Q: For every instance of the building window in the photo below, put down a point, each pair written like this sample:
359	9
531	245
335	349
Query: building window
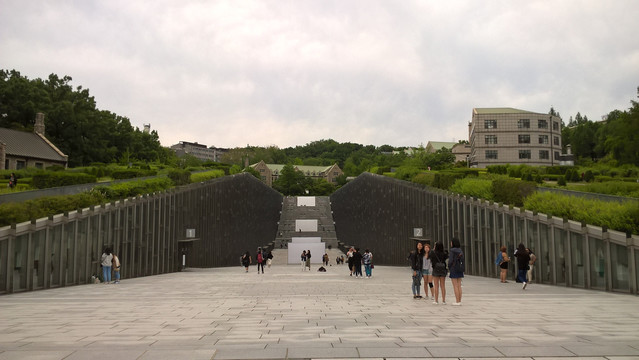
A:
524	154
524	139
543	155
555	125
543	139
490	124
556	140
491	139
491	154
263	178
261	170
542	124
39	165
20	164
556	155
523	123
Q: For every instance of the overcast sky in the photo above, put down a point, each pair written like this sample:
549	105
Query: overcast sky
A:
285	73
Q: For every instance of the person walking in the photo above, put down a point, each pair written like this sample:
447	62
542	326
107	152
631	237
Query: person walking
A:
116	268
303	259
13	181
416	259
349	259
325	259
357	263
523	259
261	259
533	259
503	260
367	259
308	259
106	261
246	260
456	264
438	258
269	259
427	272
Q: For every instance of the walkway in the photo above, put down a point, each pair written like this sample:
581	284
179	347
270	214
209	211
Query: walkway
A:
225	313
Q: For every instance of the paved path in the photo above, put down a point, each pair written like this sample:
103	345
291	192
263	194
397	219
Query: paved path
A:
226	313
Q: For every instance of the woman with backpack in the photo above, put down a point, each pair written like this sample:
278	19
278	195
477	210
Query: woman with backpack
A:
438	258
503	260
456	264
246	260
261	259
416	257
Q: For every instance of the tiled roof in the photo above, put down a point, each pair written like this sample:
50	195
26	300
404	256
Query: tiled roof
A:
504	110
438	145
28	144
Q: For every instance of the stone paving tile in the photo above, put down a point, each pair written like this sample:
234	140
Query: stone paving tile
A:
34	354
416	352
317	315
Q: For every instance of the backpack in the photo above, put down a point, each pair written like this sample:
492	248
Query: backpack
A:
458	264
499	259
259	257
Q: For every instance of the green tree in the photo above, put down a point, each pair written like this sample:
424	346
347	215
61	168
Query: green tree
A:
292	182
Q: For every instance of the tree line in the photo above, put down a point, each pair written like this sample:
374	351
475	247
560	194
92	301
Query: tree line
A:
73	122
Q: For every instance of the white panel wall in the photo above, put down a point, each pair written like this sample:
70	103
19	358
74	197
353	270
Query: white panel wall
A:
295	252
306	225
306	201
306	240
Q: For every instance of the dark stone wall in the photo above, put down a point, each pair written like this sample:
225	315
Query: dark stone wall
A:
231	215
379	213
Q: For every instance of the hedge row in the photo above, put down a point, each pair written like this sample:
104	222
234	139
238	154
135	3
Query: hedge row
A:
11	213
207	175
44	180
132	173
622	217
618	188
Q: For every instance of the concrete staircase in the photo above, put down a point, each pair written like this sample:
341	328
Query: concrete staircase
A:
291	212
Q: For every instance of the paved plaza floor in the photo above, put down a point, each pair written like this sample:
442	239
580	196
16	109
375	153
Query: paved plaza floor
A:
226	313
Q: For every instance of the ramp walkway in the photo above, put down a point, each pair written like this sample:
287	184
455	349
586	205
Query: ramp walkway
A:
226	313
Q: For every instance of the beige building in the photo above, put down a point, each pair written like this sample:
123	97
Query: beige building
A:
21	149
501	136
461	151
200	151
270	172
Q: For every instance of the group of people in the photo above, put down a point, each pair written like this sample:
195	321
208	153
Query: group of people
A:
433	265
262	257
356	259
110	262
526	258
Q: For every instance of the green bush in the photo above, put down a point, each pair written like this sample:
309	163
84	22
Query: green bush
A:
180	177
132	173
557	170
512	192
621	217
603	178
561	181
618	188
478	188
44	180
207	175
497	169
589	176
133	188
424	178
406	172
444	180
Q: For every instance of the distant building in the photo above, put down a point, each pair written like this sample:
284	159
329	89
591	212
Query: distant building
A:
501	136
21	149
200	151
433	146
271	172
461	151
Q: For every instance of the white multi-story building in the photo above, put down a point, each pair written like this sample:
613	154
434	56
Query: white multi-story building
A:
501	136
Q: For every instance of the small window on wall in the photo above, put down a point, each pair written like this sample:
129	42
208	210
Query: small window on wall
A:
543	155
524	139
555	125
524	154
523	123
20	164
39	165
543	139
491	139
556	140
491	154
542	124
490	124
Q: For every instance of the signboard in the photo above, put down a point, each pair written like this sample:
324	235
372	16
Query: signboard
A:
190	233
418	232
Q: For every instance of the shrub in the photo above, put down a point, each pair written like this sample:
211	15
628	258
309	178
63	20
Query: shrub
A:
207	175
47	179
497	169
621	217
513	192
424	178
618	188
589	176
132	173
444	180
406	172
478	188
561	181
180	177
